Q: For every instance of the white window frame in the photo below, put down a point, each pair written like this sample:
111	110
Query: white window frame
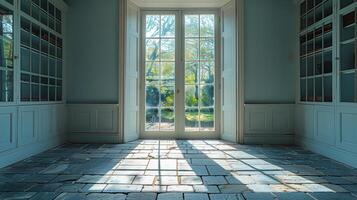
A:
179	132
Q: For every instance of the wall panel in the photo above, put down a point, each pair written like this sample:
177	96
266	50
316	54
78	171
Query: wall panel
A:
8	124
93	123
269	123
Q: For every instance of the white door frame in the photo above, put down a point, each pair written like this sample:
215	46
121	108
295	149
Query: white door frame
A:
179	103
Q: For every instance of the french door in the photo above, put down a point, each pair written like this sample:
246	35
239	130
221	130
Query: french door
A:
180	88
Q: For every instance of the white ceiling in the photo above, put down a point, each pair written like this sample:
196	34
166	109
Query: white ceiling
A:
180	3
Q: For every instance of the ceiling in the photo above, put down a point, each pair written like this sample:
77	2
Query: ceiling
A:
180	3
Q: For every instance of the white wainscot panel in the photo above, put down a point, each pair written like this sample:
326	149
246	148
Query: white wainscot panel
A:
304	123
93	118
8	119
46	122
346	118
324	124
269	123
28	125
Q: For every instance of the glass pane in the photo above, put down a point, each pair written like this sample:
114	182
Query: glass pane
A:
25	92
191	49
207	119
348	87
318	89
344	3
207	25
207	49
191	73
328	88
26	6
207	72
310	89
168	26
152	96
192	26
152	26
348	26
44	93
303	67
327	62
207	96
318	64
152	120
152	49
192	120
167	50
25	59
348	56
191	95
167	95
35	92
152	72
44	65
167	119
6	86
303	90
168	73
35	62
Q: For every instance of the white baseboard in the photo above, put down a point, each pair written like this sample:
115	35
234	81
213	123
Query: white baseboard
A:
273	139
111	138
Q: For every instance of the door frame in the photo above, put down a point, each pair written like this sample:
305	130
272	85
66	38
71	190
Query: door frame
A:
179	132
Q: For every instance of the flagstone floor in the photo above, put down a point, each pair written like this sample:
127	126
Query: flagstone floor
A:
169	169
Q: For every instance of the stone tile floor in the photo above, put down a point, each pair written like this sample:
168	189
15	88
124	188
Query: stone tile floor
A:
152	169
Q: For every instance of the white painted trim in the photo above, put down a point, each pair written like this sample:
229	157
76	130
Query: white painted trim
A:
122	51
240	7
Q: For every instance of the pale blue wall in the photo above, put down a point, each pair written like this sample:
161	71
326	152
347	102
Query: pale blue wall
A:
92	50
270	48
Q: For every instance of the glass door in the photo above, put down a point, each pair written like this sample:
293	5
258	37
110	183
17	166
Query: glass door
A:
179	52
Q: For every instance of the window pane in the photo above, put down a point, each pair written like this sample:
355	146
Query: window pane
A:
152	49
207	119
207	25
207	49
192	120
167	95
207	72
191	95
192	26
191	49
191	73
167	119
152	26
167	26
167	50
152	120
207	96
